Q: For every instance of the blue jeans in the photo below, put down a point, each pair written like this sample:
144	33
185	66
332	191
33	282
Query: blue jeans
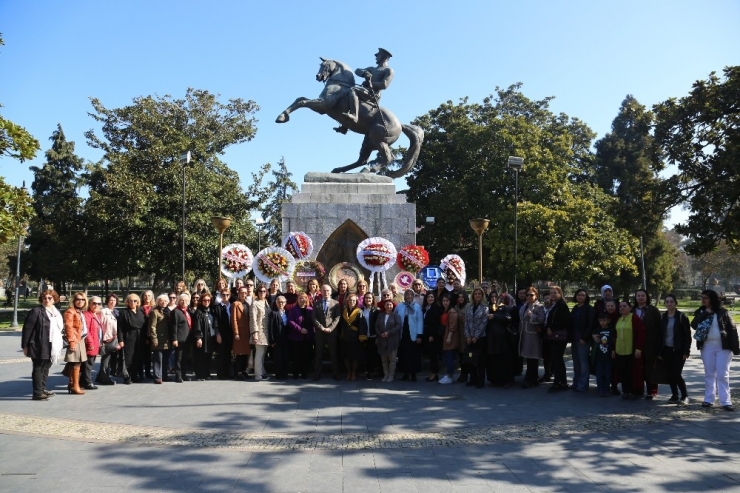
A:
581	365
603	373
449	356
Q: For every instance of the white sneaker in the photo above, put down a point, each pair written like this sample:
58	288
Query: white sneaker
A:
445	380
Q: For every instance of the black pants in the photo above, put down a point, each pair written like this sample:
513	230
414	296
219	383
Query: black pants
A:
557	354
500	368
372	357
546	359
202	363
532	374
281	358
86	371
39	374
624	370
478	372
331	340
223	371
300	354
434	349
145	347
179	353
132	352
108	355
409	356
674	362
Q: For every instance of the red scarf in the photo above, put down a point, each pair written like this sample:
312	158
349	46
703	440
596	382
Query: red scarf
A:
187	317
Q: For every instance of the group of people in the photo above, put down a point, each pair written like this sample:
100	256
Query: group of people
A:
491	336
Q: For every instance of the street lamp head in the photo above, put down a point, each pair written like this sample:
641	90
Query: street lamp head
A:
221	223
185	157
479	225
430	220
515	163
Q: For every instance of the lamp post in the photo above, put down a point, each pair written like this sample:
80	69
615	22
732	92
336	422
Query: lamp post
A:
259	222
480	225
184	161
14	322
221	224
516	164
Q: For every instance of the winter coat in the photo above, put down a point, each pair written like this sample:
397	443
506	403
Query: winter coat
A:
500	336
393	327
681	332
94	332
35	334
297	321
727	329
179	329
204	321
158	330
240	327
258	318
455	327
416	319
476	321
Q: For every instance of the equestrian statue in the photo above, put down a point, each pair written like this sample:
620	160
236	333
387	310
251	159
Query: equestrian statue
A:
357	108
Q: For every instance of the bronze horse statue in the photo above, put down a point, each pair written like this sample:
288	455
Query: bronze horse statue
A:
380	127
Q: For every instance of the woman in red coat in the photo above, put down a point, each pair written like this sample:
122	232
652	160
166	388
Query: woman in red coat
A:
94	324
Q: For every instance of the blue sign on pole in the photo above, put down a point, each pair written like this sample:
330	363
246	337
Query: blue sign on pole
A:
429	275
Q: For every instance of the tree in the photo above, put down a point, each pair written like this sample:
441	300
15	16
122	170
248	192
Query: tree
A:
138	189
626	167
700	134
15	203
56	233
281	188
721	262
565	230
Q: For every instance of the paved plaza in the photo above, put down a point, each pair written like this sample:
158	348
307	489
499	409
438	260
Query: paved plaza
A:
327	436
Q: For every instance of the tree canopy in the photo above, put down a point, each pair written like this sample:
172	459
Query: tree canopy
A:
565	227
136	192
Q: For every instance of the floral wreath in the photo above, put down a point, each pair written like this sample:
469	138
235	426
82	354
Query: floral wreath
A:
376	254
236	260
454	268
309	268
298	244
273	263
413	258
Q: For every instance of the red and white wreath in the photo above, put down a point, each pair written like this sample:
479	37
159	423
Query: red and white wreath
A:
454	268
413	258
376	254
236	260
299	244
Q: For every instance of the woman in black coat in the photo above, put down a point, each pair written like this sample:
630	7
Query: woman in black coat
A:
181	324
278	328
205	337
41	341
368	335
676	347
131	321
433	332
557	330
501	338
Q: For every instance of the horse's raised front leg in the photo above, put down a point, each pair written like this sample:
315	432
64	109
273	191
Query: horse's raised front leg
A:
317	105
365	151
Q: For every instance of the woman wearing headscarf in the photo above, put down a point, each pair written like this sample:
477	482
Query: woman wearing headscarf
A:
388	326
349	335
159	337
41	341
92	342
607	294
75	329
501	338
650	316
412	329
717	339
531	320
476	320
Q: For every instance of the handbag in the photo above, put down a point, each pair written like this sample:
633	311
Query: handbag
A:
470	357
703	328
558	335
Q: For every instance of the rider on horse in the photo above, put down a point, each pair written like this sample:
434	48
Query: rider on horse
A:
377	79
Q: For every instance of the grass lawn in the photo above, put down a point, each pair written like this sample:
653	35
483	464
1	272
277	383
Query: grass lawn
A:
6	313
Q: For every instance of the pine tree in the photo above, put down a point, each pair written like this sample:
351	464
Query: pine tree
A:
282	188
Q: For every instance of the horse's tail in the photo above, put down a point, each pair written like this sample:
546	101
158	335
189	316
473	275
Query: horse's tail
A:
416	137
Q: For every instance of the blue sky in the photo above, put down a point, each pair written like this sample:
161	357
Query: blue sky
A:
588	54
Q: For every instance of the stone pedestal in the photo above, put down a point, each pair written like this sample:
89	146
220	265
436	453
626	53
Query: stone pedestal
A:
338	211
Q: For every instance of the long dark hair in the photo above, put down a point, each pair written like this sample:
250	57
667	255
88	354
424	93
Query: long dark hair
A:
445	296
424	303
713	299
588	298
647	296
